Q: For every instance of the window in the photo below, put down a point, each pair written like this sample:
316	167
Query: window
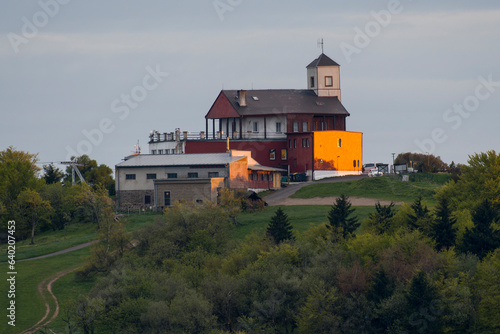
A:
151	176
289	143
192	175
295	126
283	154
166	198
255	127
307	142
312	82
295	143
153	151
172	175
305	127
303	142
272	154
329	81
129	176
199	201
339	144
354	163
278	127
160	151
147	199
213	174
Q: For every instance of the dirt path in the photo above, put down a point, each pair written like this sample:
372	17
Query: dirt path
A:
42	287
355	201
61	251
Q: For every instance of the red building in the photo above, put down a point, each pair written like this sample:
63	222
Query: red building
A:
279	126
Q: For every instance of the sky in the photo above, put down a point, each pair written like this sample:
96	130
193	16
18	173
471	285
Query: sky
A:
95	77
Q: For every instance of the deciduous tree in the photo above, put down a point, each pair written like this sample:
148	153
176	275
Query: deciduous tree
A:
33	210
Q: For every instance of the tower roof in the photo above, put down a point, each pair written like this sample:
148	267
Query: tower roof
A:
322	60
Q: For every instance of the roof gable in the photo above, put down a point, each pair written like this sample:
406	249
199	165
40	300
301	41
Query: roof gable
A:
221	108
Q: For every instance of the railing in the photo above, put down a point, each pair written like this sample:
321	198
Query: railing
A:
219	135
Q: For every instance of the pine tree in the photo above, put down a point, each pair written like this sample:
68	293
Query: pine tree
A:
482	238
421	218
279	228
423	306
443	231
381	218
339	217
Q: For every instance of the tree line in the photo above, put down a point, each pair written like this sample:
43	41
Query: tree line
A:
48	200
402	270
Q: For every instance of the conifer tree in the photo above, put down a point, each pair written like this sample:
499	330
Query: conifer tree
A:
279	228
482	238
443	231
339	217
421	218
381	218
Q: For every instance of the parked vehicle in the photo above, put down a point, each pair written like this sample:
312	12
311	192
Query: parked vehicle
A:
375	172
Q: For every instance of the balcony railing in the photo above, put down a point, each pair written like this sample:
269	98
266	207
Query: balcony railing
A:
219	135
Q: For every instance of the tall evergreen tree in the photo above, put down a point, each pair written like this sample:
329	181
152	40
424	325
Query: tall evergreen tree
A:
443	231
423	306
482	238
381	218
279	228
52	174
339	216
421	218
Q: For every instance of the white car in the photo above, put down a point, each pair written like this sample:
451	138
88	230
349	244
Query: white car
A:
375	172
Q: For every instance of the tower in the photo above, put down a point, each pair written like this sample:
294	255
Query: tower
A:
323	76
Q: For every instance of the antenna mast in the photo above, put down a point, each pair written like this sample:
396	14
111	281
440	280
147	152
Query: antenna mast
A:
320	44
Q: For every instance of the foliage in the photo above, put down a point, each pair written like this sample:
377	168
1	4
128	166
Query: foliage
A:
18	172
92	203
422	162
420	218
279	229
381	219
32	212
52	174
98	176
480	180
443	230
339	217
482	238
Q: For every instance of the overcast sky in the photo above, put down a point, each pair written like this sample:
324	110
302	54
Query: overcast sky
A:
415	76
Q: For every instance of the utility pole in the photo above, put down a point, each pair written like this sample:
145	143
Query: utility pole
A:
393	169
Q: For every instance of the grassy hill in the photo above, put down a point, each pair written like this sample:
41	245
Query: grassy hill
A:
388	187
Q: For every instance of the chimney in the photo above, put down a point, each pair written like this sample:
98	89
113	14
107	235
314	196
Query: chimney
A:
242	98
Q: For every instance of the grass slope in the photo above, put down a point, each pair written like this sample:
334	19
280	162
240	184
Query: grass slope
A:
29	304
72	235
387	187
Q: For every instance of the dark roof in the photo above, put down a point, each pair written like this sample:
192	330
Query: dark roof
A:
285	101
322	60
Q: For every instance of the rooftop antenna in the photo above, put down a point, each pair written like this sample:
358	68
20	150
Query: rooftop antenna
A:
320	44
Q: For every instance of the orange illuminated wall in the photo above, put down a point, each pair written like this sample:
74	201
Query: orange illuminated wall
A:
338	151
